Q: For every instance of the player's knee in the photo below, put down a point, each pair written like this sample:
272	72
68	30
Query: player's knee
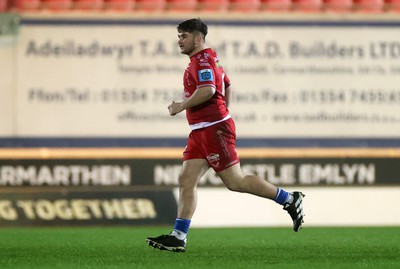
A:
234	186
187	182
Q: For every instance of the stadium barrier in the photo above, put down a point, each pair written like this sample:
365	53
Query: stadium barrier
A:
139	187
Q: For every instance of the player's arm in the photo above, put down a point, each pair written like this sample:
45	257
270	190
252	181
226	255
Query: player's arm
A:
199	96
227	90
227	96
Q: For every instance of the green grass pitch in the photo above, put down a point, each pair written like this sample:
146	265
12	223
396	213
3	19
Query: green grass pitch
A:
125	247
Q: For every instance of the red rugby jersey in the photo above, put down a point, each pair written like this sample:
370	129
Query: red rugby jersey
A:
205	70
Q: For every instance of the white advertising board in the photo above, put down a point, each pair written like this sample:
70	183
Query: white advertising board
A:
117	80
7	85
222	208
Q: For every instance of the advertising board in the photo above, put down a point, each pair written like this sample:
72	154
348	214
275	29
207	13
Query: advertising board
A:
290	79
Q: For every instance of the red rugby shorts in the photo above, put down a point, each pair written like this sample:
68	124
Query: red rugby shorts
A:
216	144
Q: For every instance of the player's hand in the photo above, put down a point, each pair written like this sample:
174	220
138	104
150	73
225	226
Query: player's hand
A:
174	108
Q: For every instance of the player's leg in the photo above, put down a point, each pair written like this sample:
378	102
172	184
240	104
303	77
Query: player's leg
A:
192	171
235	180
221	141
223	158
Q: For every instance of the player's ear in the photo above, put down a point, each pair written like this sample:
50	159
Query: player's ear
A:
198	39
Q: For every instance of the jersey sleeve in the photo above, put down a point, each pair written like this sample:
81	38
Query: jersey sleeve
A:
204	74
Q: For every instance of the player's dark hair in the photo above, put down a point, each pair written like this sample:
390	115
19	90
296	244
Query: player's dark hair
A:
193	25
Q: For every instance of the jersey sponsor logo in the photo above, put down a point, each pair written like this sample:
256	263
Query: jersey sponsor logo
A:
206	75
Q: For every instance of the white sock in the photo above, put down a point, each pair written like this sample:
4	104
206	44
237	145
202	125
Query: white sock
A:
178	234
290	198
